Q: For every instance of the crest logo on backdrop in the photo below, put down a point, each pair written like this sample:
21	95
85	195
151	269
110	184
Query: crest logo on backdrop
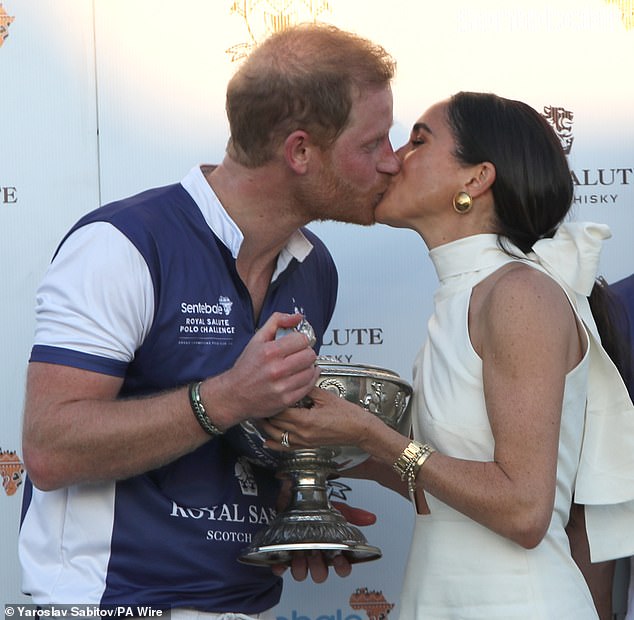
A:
264	17
561	121
593	186
627	11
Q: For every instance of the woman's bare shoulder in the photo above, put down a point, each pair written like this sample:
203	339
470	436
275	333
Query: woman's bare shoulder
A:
518	301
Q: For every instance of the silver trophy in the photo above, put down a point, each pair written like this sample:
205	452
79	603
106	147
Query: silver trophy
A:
310	522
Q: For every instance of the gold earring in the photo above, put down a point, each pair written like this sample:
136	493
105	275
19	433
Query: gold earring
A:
462	203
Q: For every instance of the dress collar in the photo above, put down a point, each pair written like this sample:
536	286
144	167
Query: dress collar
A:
571	257
465	256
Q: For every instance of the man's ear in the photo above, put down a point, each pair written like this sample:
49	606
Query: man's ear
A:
482	179
297	151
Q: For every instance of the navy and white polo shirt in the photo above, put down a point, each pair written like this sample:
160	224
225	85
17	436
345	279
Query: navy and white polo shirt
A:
146	289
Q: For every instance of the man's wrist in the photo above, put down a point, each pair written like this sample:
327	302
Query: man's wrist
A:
199	410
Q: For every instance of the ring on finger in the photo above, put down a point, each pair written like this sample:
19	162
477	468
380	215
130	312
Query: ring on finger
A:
284	441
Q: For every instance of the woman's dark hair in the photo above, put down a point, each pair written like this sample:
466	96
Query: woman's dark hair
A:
614	328
533	187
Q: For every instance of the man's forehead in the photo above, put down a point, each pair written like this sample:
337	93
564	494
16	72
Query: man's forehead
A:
372	108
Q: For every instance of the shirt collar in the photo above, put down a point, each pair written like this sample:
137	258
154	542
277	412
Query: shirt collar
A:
298	247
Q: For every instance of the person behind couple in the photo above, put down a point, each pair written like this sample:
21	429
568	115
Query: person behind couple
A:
501	384
624	291
127	407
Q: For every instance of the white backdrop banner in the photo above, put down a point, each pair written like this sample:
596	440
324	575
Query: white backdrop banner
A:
49	176
100	99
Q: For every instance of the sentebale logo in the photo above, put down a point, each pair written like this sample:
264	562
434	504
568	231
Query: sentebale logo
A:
372	602
5	21
11	470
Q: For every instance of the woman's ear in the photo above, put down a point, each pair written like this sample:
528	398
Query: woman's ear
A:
297	151
482	179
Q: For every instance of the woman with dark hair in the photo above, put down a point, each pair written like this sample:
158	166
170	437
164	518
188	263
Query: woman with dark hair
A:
518	411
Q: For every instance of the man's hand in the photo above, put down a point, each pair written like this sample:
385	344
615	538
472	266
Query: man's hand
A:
355	516
316	563
271	374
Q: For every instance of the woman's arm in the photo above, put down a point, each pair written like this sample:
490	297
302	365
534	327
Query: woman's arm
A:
524	330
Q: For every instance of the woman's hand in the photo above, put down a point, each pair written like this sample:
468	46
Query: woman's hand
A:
330	421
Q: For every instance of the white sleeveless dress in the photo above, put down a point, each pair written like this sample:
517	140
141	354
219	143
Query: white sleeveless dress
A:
457	568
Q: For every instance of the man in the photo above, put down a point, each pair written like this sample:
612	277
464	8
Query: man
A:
624	290
156	333
617	337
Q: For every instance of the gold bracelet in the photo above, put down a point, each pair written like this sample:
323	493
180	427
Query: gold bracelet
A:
407	458
425	453
196	403
410	462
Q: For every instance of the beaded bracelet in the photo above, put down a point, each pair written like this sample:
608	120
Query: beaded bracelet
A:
199	410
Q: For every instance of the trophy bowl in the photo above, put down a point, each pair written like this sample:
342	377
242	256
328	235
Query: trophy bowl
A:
310	522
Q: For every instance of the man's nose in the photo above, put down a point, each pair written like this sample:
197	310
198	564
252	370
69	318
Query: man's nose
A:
391	163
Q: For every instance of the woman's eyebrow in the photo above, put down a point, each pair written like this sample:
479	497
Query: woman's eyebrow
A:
423	126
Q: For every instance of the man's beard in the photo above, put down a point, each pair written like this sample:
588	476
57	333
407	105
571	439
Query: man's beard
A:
332	198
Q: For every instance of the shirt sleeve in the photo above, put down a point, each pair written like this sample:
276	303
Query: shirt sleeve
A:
95	304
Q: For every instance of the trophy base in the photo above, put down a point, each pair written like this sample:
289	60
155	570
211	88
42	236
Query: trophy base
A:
324	531
310	523
283	554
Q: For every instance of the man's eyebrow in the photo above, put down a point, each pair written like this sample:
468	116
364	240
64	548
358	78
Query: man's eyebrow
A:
423	126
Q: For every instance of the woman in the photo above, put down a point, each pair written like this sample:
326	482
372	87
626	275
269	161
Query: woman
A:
499	412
